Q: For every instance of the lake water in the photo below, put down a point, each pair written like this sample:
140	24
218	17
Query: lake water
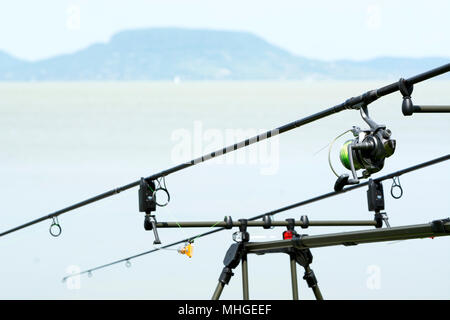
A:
64	142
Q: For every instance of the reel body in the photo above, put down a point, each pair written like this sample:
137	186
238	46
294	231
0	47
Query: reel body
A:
367	151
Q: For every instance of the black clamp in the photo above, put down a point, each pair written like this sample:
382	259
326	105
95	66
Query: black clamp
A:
228	222
303	257
226	275
291	224
378	217
438	226
242	236
243	225
147	204
406	90
305	222
290	233
298	242
150	224
267	220
231	261
310	278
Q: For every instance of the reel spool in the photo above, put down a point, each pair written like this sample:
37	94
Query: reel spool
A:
367	151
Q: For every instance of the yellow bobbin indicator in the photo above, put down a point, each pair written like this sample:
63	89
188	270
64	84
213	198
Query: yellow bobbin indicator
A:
187	250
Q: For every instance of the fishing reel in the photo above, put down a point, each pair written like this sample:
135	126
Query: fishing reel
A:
147	203
367	151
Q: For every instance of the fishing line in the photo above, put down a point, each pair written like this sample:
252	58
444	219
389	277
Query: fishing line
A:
329	151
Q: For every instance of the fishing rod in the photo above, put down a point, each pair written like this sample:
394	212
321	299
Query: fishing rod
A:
374	184
373	146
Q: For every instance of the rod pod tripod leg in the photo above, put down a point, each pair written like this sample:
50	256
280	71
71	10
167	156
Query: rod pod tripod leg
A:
218	291
304	258
312	282
232	258
245	293
227	273
294	277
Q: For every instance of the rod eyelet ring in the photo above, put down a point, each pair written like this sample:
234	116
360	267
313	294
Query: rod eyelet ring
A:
128	264
166	192
55	229
396	185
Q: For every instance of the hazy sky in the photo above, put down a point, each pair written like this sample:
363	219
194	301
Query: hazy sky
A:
356	29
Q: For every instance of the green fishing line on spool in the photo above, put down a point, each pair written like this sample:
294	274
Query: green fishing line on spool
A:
343	156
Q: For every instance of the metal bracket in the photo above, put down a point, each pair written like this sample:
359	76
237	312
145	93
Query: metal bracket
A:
150	224
438	226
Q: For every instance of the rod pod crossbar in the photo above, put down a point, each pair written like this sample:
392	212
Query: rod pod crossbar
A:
408	108
304	223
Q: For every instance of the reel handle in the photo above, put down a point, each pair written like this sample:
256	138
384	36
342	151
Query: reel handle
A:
342	181
357	146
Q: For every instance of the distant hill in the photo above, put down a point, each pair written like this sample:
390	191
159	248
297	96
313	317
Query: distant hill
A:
8	64
186	54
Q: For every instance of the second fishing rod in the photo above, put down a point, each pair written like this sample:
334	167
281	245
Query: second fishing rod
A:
374	193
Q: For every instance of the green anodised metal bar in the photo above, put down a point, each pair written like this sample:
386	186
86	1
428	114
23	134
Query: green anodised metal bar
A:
294	280
245	293
298	223
315	287
430	109
352	237
218	291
